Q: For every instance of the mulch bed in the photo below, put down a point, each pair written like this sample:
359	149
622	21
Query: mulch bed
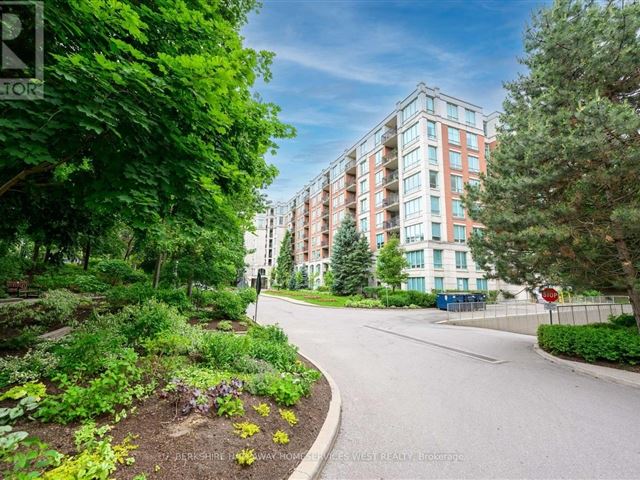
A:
203	447
602	363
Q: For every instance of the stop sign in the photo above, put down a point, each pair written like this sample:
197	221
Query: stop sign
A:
550	294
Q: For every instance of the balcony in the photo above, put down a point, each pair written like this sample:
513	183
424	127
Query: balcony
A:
390	159
389	135
324	244
391	181
350	184
325	213
350	166
392	224
325	198
350	201
324	227
391	202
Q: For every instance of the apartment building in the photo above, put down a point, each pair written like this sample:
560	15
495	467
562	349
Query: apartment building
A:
405	178
263	244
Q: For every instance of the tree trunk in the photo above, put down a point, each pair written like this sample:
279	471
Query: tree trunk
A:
129	248
630	273
36	252
156	273
189	287
86	255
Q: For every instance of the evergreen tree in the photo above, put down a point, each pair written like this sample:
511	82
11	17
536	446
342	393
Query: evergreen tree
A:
391	264
284	263
303	281
351	259
293	281
561	199
328	279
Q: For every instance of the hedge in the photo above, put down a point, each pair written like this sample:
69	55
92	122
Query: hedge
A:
592	342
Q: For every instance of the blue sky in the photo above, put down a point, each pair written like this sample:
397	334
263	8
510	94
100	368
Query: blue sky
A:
341	66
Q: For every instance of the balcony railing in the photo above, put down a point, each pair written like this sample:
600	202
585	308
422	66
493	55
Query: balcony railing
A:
350	165
349	199
392	177
390	156
390	200
391	223
324	243
389	134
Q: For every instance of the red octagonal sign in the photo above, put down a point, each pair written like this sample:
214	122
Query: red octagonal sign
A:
550	294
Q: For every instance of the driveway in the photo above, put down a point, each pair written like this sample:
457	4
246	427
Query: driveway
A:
423	400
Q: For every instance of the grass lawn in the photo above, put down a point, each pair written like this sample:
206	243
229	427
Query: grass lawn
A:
324	299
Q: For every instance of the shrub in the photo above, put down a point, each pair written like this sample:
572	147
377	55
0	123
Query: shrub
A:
248	296
220	349
592	342
174	297
366	303
245	457
286	390
130	295
246	364
623	320
270	333
421	299
262	409
226	304
12	267
373	292
283	356
37	363
229	406
58	306
146	321
87	284
116	272
289	417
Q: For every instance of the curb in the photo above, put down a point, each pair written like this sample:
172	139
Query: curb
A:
314	460
307	304
297	302
621	377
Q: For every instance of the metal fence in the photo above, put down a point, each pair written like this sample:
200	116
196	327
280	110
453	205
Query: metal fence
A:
576	312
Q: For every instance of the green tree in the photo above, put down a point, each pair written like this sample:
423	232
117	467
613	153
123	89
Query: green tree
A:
351	259
302	283
391	264
327	278
561	199
284	263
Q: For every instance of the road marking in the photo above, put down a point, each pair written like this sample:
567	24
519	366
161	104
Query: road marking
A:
466	353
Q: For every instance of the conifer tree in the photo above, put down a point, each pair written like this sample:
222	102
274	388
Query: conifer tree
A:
561	199
284	263
351	259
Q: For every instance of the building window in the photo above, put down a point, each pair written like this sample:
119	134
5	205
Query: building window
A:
474	182
436	231
435	205
364	186
462	284
415	259
363	148
481	284
460	234
433	179
364	205
430	105
452	111
410	134
454	136
438	284
474	163
379	219
461	260
378	158
470	118
410	110
379	240
431	130
410	159
437	259
364	167
413	233
378	137
472	141
412	208
411	184
364	224
379	177
456	183
415	283
457	209
378	198
477	231
455	160
433	155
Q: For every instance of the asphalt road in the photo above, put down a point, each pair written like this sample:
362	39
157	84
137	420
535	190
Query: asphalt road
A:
422	400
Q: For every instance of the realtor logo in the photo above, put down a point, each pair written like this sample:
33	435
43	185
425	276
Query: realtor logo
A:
22	50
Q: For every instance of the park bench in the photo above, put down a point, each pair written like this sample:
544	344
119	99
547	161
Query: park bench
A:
20	288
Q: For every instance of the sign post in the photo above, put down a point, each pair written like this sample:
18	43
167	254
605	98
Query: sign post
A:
550	295
258	289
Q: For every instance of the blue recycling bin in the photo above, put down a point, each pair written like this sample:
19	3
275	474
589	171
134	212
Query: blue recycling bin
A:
468	301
